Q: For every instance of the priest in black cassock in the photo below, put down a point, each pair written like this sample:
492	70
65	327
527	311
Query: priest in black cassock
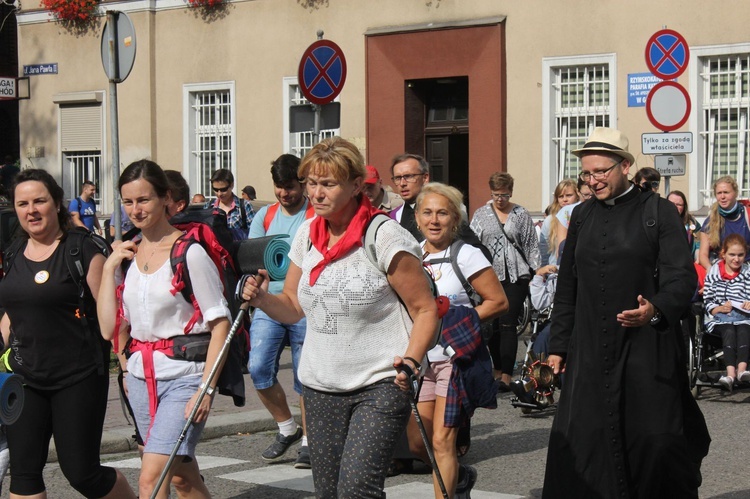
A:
626	423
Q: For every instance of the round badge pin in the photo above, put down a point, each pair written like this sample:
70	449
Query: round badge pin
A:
41	277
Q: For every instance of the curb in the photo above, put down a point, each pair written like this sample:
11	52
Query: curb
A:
118	440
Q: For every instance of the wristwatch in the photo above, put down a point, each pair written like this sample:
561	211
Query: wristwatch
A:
656	318
210	391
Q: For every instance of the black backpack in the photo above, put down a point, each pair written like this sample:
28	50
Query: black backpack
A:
74	241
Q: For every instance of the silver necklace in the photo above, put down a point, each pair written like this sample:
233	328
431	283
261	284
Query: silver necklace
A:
156	247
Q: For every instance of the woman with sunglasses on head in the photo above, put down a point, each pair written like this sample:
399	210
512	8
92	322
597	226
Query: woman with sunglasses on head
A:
365	320
507	230
163	386
439	215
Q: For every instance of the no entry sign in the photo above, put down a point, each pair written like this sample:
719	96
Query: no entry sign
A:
322	72
667	54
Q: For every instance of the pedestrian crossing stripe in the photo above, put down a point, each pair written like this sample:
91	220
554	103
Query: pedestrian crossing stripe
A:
290	478
204	462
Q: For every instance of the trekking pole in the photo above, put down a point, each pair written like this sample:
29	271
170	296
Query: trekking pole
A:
222	353
413	390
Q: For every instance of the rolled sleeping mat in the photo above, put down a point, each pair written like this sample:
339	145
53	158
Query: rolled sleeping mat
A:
11	397
270	253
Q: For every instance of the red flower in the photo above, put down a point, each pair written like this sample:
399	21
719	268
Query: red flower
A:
76	11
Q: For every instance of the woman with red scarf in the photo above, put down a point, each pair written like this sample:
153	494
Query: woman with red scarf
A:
362	321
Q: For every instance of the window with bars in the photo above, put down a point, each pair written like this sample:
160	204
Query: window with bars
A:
212	144
84	166
300	143
726	105
582	101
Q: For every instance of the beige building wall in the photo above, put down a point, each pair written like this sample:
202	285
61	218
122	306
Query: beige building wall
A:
257	43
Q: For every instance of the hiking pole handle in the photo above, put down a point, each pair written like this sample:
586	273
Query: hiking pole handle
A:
202	394
413	390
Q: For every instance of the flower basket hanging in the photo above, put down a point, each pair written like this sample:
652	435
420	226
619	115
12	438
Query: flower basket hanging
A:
74	15
205	4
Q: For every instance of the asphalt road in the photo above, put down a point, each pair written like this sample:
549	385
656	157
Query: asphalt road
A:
509	450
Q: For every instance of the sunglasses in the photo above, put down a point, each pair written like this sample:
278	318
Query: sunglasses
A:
220	189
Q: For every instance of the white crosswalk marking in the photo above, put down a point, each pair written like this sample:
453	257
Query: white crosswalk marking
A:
290	478
294	479
204	462
286	477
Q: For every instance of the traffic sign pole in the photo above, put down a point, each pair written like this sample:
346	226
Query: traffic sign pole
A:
114	128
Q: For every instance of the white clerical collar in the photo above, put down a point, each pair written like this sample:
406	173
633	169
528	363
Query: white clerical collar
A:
611	202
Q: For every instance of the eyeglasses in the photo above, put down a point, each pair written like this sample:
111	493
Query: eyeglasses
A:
220	189
409	178
500	196
650	185
600	175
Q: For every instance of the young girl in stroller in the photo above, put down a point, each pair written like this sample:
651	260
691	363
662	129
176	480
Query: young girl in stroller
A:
727	301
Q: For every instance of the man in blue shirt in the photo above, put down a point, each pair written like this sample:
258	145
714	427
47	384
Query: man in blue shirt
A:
83	208
239	212
269	337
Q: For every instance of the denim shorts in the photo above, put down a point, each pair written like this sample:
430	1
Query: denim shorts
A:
267	341
173	395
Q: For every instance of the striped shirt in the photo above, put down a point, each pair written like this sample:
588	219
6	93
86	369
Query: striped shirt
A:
718	291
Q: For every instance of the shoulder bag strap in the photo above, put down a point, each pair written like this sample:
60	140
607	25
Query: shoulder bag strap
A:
511	241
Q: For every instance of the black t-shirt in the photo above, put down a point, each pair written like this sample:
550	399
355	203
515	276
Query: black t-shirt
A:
50	347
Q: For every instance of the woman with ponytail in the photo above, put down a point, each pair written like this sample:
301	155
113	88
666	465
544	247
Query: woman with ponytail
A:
726	216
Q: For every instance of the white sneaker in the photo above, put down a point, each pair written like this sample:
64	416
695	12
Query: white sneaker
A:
727	383
744	377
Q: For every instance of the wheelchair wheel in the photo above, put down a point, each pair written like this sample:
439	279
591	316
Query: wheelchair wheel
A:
524	317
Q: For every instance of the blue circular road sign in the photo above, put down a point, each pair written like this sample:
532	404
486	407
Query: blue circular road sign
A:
667	54
322	72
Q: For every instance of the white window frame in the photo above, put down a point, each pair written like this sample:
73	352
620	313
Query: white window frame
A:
699	185
549	123
104	194
287	83
189	164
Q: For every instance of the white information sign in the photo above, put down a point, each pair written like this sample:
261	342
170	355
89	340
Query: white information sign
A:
670	165
7	88
667	143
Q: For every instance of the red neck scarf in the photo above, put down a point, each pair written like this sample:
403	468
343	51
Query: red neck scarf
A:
723	271
352	238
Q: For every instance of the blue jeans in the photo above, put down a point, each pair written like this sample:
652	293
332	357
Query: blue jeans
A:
267	340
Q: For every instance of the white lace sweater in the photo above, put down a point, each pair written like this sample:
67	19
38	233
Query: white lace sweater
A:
355	322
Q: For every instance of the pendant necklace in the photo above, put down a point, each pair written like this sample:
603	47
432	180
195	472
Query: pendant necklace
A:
156	247
436	273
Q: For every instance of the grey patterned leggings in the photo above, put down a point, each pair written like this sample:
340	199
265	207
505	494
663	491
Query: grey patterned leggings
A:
352	436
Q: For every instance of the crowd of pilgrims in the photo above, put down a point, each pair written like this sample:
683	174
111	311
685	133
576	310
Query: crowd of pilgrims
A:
520	251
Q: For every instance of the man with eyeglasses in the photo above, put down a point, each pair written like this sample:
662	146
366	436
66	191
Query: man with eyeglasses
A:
626	423
239	211
409	172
